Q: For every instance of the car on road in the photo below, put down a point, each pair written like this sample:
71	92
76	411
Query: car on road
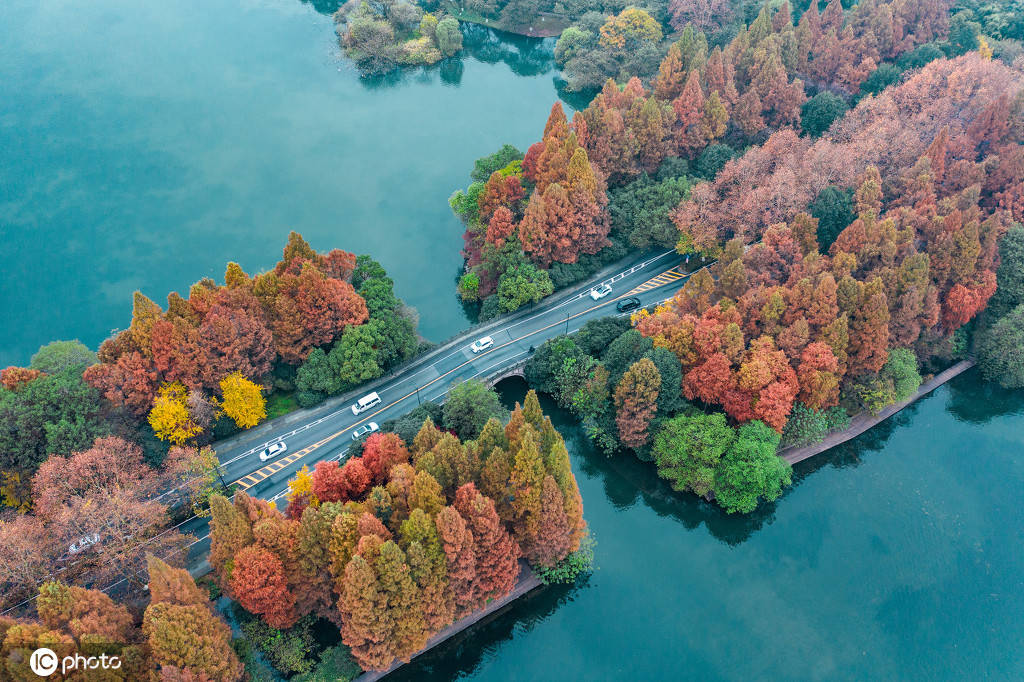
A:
366	402
83	543
597	293
365	430
627	304
481	344
273	450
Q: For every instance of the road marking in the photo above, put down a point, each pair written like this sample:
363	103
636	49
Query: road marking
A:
668	277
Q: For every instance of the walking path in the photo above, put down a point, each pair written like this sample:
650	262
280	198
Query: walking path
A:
864	421
527	581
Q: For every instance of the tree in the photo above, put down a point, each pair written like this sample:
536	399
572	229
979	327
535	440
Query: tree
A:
497	554
354	357
595	336
704	14
459	548
834	210
636	402
628	29
554	535
688	449
521	285
901	369
57	356
469	406
12	378
818	113
230	532
541	370
365	623
258	583
448	36
170	418
190	637
1001	350
53	414
750	469
381	451
242	400
172	585
90	616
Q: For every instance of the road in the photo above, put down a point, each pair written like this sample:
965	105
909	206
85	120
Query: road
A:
325	432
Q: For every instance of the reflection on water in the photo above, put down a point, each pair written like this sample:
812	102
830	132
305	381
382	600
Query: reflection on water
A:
525	56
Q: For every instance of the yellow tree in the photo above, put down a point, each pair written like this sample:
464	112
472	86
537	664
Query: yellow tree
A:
243	400
629	28
169	417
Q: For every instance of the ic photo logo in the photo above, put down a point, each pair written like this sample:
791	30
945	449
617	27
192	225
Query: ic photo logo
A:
44	662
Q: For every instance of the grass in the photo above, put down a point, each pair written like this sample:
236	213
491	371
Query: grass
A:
280	403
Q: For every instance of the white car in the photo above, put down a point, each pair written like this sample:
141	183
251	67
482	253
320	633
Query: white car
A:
364	430
273	451
597	293
482	344
83	543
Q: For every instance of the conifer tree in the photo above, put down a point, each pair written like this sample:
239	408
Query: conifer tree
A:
230	531
460	551
497	553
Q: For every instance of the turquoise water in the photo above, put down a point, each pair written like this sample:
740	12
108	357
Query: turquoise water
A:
145	144
895	556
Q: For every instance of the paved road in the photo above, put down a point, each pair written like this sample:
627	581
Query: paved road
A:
326	432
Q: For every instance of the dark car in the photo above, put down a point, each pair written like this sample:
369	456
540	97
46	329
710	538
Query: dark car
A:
627	304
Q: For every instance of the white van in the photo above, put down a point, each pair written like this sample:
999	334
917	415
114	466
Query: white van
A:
365	403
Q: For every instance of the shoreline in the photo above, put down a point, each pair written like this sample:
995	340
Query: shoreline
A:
864	421
525	583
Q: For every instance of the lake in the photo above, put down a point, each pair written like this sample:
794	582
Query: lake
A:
144	145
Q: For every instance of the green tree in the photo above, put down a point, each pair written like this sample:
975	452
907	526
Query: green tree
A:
750	469
354	357
1010	273
484	166
639	211
834	210
448	36
57	356
623	352
596	335
688	449
712	160
54	414
1001	350
879	79
469	406
901	369
818	113
541	370
521	285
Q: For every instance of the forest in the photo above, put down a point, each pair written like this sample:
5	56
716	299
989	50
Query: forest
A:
391	547
857	186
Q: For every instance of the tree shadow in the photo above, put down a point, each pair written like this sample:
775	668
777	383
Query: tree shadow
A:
464	652
976	401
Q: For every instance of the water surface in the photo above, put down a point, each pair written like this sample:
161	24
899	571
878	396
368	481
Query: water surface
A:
145	144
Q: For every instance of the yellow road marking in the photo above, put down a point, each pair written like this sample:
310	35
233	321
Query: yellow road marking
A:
262	474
